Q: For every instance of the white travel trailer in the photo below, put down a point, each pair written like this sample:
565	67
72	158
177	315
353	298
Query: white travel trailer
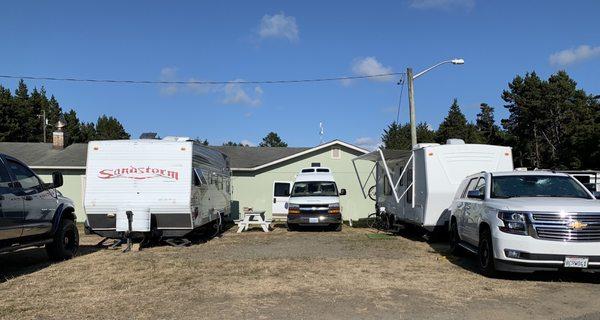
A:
417	187
164	188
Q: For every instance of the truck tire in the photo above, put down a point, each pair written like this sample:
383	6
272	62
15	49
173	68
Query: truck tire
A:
336	227
65	243
485	254
455	247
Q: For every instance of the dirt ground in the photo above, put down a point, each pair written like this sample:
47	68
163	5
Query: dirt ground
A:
292	275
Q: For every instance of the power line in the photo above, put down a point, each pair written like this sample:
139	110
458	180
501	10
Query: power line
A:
401	82
202	82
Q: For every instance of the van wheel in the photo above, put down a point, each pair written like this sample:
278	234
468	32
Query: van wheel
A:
455	247
486	254
66	241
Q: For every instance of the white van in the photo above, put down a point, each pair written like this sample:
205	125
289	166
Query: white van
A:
170	186
315	200
417	186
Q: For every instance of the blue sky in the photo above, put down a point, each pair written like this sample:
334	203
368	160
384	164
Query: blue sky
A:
256	40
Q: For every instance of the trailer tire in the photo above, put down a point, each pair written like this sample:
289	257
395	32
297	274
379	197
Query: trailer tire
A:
65	243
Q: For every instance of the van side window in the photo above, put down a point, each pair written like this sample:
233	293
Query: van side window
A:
28	180
470	186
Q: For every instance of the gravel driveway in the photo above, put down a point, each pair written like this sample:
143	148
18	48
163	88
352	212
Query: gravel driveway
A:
293	275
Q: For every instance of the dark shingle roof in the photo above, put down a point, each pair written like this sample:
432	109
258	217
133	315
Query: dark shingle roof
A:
43	155
250	157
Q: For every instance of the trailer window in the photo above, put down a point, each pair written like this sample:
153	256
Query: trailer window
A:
198	177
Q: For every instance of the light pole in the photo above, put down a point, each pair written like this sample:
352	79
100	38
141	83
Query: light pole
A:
411	95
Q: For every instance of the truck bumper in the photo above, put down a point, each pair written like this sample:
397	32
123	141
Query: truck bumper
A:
309	219
540	255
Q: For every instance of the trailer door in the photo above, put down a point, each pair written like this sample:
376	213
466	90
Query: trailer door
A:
281	195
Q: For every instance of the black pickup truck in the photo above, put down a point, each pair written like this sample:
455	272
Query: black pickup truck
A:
34	213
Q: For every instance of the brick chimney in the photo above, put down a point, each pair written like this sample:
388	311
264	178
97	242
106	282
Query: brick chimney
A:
59	138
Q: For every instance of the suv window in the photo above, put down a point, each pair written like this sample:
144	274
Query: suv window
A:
4	179
28	180
470	186
480	185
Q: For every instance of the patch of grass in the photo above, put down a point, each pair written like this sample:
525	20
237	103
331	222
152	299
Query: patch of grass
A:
379	236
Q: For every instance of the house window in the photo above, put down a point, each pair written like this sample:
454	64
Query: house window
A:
336	154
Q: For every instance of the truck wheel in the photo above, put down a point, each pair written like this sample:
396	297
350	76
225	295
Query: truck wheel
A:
66	241
291	227
486	254
336	227
455	247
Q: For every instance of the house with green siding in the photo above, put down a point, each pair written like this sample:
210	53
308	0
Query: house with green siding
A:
257	172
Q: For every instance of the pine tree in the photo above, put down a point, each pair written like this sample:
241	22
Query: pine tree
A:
109	128
486	125
397	137
272	140
455	126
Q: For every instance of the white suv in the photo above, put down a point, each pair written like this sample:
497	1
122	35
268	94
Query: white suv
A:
526	221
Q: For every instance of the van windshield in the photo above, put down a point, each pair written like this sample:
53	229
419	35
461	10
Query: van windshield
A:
536	186
314	188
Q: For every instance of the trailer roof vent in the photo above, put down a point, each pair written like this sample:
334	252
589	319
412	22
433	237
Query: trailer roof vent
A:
455	141
149	135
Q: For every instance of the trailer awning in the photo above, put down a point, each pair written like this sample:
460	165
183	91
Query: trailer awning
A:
382	156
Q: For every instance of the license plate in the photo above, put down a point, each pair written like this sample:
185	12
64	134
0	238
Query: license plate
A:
313	220
576	262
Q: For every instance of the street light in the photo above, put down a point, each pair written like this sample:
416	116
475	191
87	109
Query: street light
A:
411	100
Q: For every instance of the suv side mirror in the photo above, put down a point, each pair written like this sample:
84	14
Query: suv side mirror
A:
57	179
475	194
597	195
343	192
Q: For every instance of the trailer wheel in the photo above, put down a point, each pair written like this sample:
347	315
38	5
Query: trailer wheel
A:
66	241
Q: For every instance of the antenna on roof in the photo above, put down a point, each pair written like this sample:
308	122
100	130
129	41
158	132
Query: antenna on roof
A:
321	132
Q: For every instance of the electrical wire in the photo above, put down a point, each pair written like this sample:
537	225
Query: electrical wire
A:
202	82
401	82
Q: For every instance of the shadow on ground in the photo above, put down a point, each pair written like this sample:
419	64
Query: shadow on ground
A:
468	261
26	261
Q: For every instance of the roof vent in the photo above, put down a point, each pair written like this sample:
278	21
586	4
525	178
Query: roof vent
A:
455	141
149	135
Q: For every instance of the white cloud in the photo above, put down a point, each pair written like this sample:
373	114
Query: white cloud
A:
235	93
368	143
442	4
248	143
573	55
278	26
369	66
168	74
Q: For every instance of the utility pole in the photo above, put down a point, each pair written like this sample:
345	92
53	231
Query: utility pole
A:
44	123
411	105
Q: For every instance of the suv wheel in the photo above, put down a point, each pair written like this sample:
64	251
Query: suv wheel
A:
486	254
66	241
455	247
